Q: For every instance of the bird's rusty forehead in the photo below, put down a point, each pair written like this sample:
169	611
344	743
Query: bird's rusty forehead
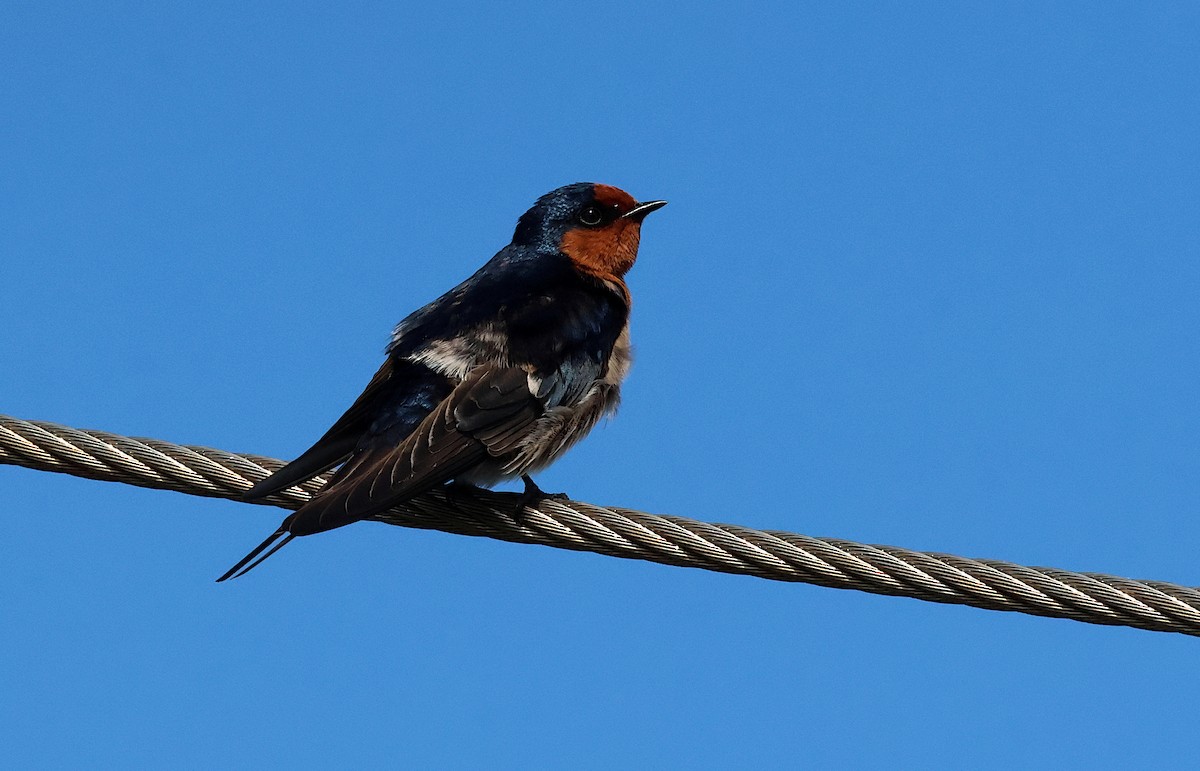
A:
607	195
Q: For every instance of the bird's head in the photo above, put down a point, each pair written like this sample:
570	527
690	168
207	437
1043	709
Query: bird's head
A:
597	227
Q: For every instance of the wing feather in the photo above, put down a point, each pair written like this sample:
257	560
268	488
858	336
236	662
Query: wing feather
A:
481	417
398	397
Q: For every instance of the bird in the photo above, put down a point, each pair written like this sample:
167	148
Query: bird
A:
492	381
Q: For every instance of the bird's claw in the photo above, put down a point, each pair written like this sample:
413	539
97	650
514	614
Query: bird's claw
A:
533	495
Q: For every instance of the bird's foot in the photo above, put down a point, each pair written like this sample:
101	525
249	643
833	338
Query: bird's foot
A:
533	495
456	491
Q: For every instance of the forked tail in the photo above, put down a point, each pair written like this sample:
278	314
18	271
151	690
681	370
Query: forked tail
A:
252	560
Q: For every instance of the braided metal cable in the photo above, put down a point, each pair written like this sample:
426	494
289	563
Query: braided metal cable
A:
1091	597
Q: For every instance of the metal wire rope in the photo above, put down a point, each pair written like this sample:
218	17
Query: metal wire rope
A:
781	556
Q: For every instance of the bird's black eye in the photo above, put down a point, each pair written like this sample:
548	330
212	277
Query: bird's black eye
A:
591	216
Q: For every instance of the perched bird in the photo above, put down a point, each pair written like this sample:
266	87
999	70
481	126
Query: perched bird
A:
491	381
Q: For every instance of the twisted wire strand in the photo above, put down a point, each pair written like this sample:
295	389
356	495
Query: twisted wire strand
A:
1094	598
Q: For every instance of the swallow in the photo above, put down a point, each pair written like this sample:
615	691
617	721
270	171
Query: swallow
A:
492	381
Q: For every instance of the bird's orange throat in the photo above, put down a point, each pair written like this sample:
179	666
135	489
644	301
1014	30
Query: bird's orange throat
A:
607	253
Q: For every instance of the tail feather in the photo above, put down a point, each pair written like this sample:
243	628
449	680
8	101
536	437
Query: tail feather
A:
249	562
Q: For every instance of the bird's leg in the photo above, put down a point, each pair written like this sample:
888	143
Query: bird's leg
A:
454	490
533	495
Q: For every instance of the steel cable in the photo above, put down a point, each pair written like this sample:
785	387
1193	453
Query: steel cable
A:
781	556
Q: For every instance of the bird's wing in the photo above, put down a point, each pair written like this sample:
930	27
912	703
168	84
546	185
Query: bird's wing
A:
569	382
486	415
337	443
400	395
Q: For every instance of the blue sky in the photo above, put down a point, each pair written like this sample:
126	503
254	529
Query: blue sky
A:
928	277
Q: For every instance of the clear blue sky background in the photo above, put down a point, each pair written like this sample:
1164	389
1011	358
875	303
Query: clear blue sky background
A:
929	277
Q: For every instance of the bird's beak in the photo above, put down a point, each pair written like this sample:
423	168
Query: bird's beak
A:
639	212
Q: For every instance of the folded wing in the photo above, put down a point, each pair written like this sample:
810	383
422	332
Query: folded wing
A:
485	416
337	443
